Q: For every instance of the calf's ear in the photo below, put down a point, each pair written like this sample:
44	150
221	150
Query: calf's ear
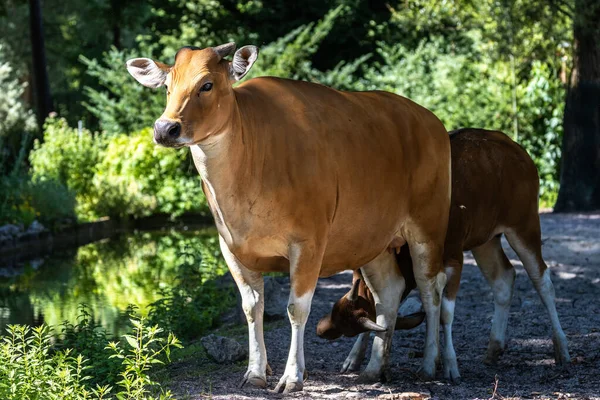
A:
148	72
326	329
243	59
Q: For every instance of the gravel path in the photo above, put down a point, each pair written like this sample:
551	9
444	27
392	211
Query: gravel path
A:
571	250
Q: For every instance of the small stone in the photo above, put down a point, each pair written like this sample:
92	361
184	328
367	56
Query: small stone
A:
223	349
9	230
35	227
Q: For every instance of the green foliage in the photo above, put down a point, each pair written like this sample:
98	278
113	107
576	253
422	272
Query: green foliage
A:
66	156
136	177
190	308
31	368
17	121
115	175
120	103
87	339
466	90
147	347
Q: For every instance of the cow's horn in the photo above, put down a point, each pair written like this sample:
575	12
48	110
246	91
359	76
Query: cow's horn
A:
353	293
225	49
371	326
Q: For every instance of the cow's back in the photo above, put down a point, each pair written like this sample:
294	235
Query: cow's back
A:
494	186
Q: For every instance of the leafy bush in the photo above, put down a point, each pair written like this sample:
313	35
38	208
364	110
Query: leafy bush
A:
122	104
30	368
87	339
117	175
465	90
137	177
291	55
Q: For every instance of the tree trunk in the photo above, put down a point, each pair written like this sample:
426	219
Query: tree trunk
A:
580	169
40	73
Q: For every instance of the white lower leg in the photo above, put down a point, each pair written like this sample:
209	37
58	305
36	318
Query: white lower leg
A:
449	355
431	298
503	290
298	311
545	289
533	263
251	287
357	354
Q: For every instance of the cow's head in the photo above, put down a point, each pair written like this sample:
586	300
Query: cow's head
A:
200	99
354	314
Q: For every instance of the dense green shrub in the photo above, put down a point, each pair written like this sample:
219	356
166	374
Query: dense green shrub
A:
115	175
463	90
31	368
122	104
137	177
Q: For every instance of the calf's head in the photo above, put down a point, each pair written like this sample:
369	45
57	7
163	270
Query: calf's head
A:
200	98
354	314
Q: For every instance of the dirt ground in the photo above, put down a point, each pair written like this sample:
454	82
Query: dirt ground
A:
571	250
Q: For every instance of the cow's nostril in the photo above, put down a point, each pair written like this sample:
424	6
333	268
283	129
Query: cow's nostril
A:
174	131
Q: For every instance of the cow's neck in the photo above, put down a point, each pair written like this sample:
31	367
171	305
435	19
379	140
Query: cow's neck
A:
223	164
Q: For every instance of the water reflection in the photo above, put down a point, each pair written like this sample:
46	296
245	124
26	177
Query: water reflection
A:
107	276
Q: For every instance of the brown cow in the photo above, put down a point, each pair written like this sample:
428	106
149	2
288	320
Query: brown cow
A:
312	181
494	191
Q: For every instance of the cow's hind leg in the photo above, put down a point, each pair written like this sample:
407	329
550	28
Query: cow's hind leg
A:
527	244
383	278
431	280
500	274
305	262
357	354
251	287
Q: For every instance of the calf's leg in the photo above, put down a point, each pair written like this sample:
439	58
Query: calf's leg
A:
527	244
357	354
500	274
305	263
453	271
383	278
251	287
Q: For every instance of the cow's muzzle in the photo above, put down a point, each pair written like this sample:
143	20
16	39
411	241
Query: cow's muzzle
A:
167	132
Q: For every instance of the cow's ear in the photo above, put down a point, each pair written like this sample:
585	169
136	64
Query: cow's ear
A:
243	59
148	72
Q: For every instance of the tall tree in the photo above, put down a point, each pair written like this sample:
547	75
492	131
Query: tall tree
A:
40	72
580	170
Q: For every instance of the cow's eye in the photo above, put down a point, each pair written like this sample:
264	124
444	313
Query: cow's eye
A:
167	90
206	87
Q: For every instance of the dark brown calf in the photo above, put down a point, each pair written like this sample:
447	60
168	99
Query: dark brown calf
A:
494	191
355	313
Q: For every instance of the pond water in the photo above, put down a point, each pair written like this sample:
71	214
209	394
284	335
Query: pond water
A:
134	268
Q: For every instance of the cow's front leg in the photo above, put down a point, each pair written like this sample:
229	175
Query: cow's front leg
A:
383	278
305	262
251	287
